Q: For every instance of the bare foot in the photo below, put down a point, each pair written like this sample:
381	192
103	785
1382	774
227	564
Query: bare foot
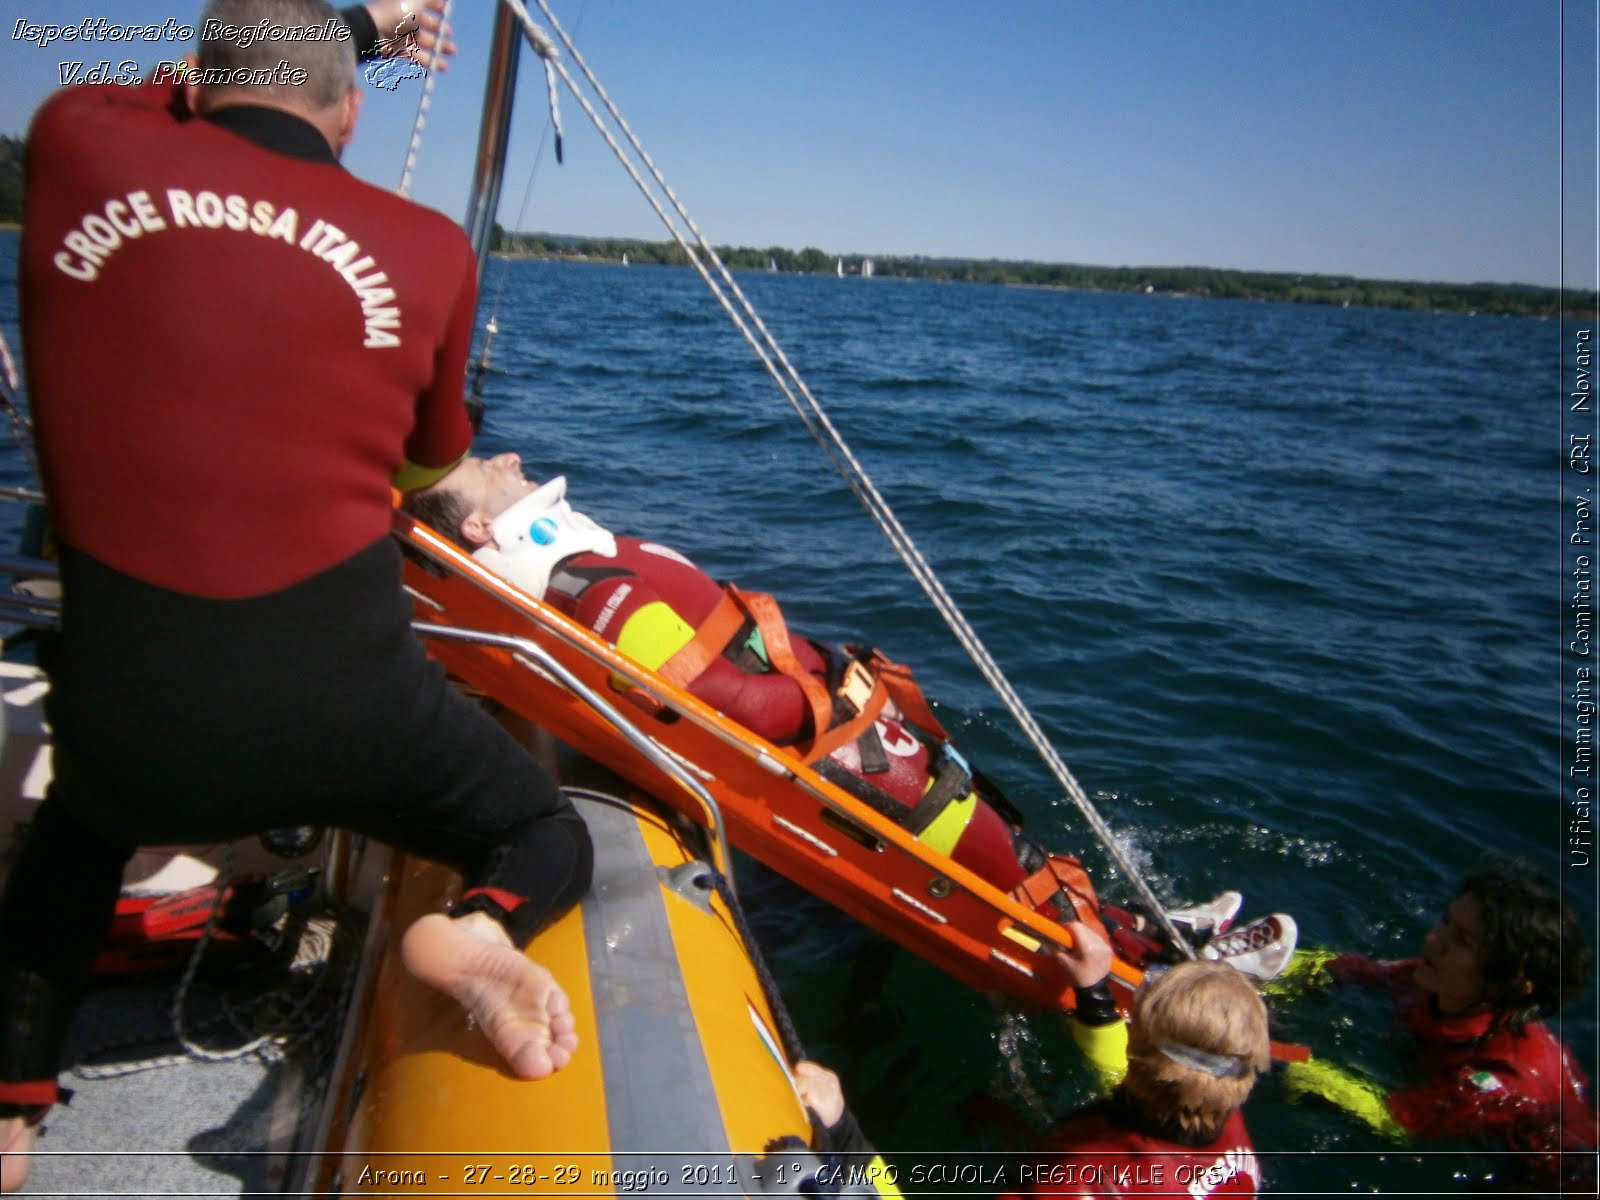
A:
16	1142
517	1003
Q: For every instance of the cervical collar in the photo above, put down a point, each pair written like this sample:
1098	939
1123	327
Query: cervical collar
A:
536	533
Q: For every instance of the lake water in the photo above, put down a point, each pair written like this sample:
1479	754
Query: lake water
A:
1283	585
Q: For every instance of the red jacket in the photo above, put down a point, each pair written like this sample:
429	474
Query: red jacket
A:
232	344
1520	1089
1093	1153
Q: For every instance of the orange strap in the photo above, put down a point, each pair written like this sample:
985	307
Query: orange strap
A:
763	610
826	743
907	695
710	640
1036	888
1062	873
1288	1052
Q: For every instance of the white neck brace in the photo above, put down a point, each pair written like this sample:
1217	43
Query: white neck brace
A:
536	533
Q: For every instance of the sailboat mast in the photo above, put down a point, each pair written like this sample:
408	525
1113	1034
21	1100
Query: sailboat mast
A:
494	134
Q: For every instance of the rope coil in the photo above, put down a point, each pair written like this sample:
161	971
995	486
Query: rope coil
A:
286	1022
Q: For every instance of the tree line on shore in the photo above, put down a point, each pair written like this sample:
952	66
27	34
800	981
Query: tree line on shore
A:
1346	291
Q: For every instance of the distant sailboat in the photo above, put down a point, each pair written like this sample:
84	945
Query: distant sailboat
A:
866	268
838	267
772	264
624	258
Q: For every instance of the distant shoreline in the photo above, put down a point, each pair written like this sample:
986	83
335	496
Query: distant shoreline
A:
1339	291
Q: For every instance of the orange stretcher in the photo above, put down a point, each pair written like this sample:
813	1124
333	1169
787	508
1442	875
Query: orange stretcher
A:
775	807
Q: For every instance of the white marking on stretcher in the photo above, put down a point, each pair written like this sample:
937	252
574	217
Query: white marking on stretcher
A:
777	766
682	761
426	599
921	907
806	836
1010	962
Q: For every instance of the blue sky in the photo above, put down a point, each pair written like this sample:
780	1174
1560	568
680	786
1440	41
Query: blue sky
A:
1407	139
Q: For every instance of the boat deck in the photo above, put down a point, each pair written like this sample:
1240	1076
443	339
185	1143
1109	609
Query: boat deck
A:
187	1127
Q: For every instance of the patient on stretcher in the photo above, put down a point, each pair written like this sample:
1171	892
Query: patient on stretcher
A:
855	717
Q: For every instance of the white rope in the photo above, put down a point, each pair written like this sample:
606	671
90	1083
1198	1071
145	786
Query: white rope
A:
424	103
832	443
316	945
11	402
555	105
8	365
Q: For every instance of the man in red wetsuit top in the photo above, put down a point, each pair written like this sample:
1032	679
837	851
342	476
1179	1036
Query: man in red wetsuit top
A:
1506	952
1182	1068
233	347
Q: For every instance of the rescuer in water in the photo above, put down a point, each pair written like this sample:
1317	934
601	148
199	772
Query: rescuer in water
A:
1506	954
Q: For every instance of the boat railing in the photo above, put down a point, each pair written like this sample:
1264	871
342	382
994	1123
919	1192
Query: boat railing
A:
535	657
43	611
32	609
26	603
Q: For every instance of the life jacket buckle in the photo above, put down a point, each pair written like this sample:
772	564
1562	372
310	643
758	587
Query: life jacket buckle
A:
857	685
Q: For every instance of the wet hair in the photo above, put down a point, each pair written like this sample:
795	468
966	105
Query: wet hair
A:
441	508
1208	1007
329	64
1534	957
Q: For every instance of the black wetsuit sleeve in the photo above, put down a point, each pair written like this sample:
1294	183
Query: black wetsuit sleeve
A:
1096	1005
845	1136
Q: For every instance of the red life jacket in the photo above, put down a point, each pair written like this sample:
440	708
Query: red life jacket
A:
1092	1154
1518	1088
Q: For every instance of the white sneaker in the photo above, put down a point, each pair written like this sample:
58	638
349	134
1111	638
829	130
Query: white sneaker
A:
1261	949
1214	916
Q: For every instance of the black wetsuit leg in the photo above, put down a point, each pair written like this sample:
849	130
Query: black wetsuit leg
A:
58	901
203	720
